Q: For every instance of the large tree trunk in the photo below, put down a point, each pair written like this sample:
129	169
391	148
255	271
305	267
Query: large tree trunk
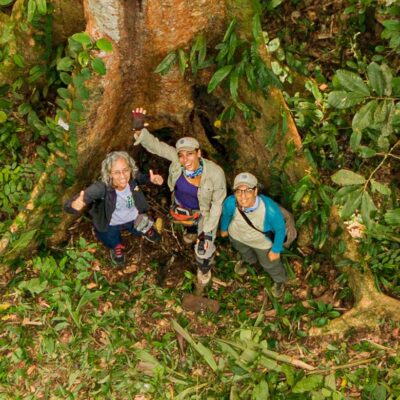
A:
143	33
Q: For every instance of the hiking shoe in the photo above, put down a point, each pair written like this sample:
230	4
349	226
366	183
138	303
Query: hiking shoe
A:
152	236
189	238
240	269
277	289
117	254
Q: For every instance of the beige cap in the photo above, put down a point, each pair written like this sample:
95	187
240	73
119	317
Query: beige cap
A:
245	178
187	143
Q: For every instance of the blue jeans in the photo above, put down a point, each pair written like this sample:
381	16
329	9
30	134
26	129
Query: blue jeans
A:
112	236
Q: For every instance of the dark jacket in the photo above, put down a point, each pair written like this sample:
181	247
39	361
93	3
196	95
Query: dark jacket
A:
103	200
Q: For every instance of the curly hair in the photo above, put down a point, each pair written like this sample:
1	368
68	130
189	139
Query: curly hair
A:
109	161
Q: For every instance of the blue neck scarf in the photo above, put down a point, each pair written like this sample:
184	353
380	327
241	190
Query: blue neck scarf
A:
193	174
253	208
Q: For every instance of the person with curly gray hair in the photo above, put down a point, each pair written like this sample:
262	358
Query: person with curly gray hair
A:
117	203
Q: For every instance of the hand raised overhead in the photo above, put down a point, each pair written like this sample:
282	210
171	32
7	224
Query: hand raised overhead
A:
155	178
78	204
138	115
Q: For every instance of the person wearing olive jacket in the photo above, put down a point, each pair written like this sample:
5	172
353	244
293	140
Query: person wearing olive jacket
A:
199	189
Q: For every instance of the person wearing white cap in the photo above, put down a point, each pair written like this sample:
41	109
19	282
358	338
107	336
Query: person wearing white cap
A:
256	228
198	186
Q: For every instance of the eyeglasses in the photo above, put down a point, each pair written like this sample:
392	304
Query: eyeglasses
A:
246	192
125	172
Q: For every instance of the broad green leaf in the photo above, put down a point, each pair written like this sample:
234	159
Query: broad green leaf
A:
352	202
308	383
64	93
273	45
66	78
166	64
24	108
41	6
300	193
218	77
31	10
345	177
366	152
83	58
65	64
98	66
19	61
364	117
289	374
392	217
5	2
234	84
382	112
380	187
342	99
88	297
352	82
23	240
230	29
379	393
82	38
260	392
330	381
388	77
182	61
367	207
376	78
104	45
355	139
34	286
3	117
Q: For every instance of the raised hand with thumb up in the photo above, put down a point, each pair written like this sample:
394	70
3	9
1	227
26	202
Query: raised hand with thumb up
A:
78	204
155	178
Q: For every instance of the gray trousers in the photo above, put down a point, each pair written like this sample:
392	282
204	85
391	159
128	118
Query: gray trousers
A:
275	269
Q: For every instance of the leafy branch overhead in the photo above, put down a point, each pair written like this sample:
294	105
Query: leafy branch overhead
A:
376	121
236	60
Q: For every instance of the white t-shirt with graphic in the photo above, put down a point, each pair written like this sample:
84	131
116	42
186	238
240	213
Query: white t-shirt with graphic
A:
125	209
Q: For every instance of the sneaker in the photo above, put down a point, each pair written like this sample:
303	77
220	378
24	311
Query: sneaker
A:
117	254
240	269
277	289
189	238
152	236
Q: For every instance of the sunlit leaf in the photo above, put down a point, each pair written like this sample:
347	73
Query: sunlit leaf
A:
3	117
82	38
343	99
260	391
365	116
41	6
182	61
166	64
308	383
218	77
234	84
367	207
352	82
352	202
99	66
376	78
104	45
380	187
345	177
392	217
230	29
31	10
19	60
